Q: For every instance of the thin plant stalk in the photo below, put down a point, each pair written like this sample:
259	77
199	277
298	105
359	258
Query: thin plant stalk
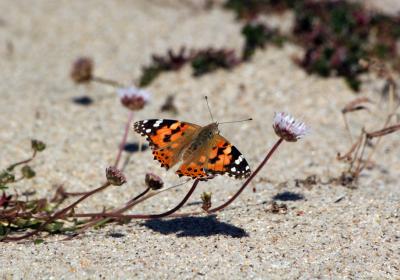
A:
149	216
12	166
346	123
360	158
106	81
124	138
131	203
102	220
267	157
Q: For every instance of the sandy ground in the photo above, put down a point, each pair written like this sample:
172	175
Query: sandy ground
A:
356	237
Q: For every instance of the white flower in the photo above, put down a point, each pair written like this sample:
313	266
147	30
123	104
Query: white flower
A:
288	128
133	98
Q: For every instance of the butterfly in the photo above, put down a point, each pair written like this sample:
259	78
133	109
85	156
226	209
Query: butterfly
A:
202	150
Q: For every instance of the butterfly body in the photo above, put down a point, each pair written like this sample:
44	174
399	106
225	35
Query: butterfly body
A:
200	140
202	150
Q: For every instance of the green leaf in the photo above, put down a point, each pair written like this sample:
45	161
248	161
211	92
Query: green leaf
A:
3	230
6	177
54	227
38	241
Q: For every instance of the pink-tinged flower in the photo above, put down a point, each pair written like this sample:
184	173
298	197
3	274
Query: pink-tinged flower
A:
133	98
288	128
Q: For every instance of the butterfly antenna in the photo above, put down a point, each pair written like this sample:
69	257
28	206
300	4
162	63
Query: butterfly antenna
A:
208	106
245	120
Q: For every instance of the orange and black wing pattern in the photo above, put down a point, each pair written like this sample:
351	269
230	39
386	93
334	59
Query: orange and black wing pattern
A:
224	158
167	138
217	157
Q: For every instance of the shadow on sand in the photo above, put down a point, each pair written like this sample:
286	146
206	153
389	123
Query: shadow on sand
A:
195	226
288	196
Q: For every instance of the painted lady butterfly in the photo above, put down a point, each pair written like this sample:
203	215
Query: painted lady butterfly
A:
203	151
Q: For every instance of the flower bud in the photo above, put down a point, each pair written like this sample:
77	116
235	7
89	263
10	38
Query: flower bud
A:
206	198
82	70
37	145
115	176
153	181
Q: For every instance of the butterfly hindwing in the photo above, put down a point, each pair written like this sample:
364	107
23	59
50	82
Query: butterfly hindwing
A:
224	158
192	169
167	138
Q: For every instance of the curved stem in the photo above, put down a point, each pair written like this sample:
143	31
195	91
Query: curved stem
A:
130	203
249	179
167	213
58	214
102	220
138	216
123	142
12	166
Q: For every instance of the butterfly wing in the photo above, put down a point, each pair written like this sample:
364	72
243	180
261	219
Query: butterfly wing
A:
195	166
218	157
167	138
224	158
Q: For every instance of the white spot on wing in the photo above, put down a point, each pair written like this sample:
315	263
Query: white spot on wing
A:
239	160
148	130
233	169
157	123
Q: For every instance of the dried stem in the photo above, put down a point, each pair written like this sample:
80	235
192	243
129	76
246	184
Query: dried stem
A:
12	166
346	123
131	203
117	215
101	220
392	111
106	81
358	169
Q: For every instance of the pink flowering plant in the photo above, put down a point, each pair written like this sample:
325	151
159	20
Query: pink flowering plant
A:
66	220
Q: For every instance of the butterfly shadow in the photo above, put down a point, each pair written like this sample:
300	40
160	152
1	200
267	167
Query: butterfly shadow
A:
288	196
130	148
83	100
133	147
195	227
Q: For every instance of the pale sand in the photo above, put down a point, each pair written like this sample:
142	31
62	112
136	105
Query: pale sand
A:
357	237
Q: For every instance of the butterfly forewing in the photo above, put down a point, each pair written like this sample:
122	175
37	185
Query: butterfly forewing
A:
167	138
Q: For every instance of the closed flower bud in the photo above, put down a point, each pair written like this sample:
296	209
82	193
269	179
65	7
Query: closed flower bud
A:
115	176
37	145
206	198
82	70
153	181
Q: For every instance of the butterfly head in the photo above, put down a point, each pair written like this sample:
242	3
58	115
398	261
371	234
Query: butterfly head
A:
211	129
